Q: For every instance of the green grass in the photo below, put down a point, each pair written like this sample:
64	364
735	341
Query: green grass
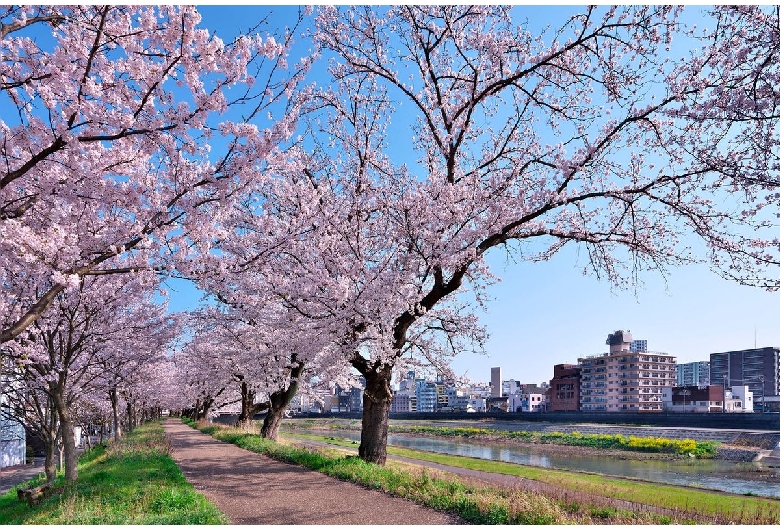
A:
724	506
134	481
484	504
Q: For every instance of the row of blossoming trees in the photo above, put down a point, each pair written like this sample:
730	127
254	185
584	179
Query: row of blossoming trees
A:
333	202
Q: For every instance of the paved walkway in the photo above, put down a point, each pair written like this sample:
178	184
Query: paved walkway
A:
253	489
14	475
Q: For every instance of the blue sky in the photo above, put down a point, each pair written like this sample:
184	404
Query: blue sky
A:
549	313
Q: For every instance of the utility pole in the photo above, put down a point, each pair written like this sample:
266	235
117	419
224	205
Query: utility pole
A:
684	393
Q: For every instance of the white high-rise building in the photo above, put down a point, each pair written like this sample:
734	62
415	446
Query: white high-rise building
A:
510	387
693	374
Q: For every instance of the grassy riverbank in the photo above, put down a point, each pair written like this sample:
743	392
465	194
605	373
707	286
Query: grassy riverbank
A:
572	501
134	481
699	449
649	444
702	503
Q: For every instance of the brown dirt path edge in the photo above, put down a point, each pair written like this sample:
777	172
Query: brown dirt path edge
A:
254	489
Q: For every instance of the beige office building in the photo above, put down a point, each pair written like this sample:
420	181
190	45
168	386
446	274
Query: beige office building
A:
622	380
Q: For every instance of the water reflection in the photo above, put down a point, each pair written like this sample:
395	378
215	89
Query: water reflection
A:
710	474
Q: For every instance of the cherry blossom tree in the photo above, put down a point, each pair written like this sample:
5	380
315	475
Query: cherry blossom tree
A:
269	376
204	369
93	414
110	115
63	352
154	382
157	382
729	105
136	348
269	351
599	133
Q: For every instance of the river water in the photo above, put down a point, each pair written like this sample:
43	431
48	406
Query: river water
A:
710	474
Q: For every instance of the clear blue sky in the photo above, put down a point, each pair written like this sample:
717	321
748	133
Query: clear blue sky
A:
548	313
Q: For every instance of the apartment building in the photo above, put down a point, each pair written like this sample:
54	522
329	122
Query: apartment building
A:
457	399
694	374
757	368
403	402
622	380
427	396
13	437
510	387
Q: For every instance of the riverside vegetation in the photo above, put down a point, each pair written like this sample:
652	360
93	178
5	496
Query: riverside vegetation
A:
699	449
644	444
687	447
131	481
575	499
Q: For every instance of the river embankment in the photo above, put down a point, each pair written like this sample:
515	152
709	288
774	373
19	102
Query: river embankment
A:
731	445
732	453
706	473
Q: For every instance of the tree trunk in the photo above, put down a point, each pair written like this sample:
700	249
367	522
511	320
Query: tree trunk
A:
69	446
247	402
248	407
377	398
87	442
66	432
49	435
194	414
61	449
273	419
50	463
130	413
202	409
278	404
113	395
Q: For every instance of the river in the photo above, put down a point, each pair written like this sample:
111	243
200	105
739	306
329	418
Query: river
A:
710	474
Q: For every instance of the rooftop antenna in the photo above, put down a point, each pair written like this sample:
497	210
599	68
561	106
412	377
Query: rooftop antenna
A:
755	343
